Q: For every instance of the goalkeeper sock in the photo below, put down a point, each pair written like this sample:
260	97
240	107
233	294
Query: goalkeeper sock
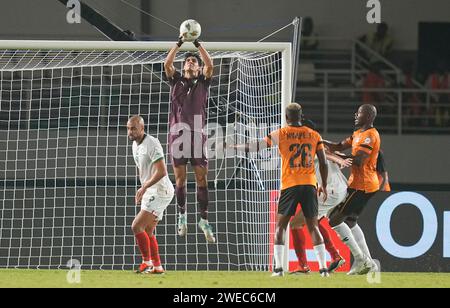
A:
180	191
278	254
346	236
155	251
202	197
328	242
144	245
298	239
360	239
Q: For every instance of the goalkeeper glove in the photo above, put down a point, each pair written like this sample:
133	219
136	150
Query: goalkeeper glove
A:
196	43
180	41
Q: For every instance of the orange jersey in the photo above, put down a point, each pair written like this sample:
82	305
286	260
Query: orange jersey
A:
297	146
365	177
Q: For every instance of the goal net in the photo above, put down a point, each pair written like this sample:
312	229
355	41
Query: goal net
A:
67	176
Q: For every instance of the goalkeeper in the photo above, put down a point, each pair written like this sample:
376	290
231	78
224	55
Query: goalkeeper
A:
189	100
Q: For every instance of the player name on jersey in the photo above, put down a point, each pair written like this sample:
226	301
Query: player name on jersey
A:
299	135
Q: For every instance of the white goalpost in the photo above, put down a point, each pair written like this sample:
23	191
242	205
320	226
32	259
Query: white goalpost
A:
67	176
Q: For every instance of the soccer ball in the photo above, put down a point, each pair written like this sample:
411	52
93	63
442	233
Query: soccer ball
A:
190	29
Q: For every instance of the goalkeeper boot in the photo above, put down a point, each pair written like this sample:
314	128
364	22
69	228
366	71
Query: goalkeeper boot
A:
207	230
182	224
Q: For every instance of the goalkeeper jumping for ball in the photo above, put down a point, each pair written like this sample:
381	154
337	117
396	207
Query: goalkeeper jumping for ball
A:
187	139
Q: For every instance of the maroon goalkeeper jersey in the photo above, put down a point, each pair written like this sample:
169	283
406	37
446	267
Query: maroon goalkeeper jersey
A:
189	99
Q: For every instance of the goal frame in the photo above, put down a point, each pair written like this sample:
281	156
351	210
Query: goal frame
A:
284	47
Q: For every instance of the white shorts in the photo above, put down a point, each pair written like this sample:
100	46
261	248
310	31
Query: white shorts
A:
156	204
333	200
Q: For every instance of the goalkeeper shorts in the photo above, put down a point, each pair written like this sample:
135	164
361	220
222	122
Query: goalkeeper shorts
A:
197	155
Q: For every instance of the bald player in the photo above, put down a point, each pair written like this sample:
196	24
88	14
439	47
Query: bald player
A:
298	145
154	196
362	186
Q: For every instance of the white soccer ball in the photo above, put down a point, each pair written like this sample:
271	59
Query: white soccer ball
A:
190	29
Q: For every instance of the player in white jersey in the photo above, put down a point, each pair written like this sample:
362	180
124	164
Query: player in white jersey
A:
337	183
154	196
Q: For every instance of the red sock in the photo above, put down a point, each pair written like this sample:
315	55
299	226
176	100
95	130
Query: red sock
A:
144	245
298	236
328	242
155	251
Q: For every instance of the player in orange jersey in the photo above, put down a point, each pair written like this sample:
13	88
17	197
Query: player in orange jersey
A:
337	191
363	184
298	145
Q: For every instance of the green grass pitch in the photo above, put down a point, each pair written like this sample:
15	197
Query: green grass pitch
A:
178	279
